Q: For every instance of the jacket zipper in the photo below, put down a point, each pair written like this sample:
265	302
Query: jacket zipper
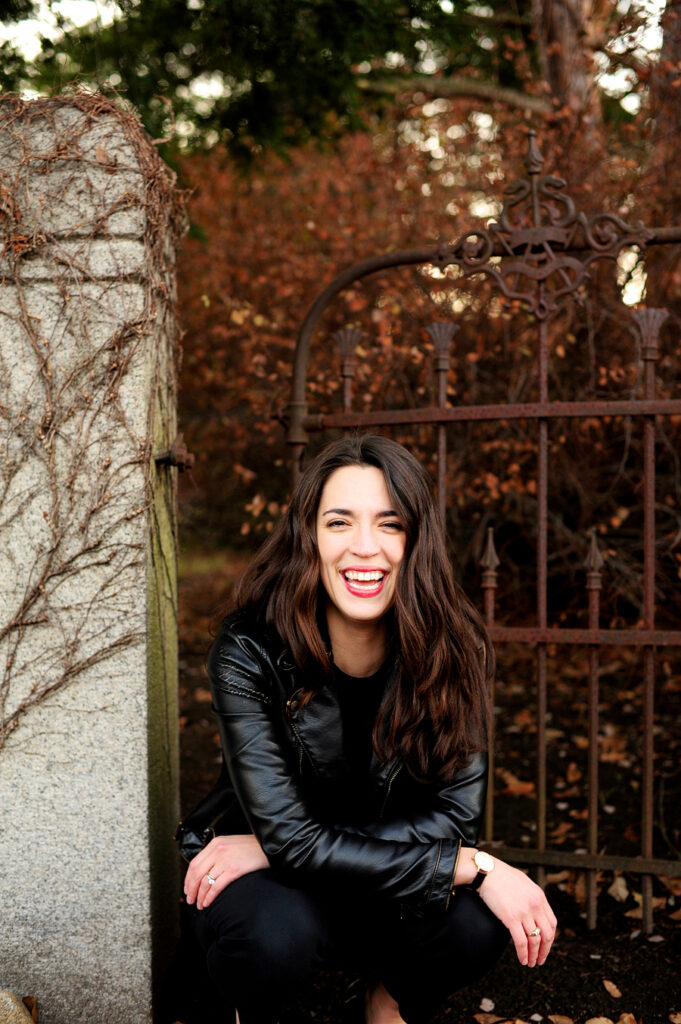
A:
289	715
392	778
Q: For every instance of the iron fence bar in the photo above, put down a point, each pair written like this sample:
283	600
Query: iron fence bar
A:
583	860
542	583
649	322
490	563
593	565
441	335
477	413
583	637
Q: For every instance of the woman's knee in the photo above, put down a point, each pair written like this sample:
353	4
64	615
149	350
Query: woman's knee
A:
267	930
286	941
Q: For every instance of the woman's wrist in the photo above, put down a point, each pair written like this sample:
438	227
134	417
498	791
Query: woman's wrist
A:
465	867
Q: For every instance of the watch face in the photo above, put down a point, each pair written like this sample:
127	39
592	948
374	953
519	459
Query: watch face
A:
483	861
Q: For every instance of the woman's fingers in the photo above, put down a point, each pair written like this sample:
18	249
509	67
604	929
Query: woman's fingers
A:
522	906
223	860
548	933
519	937
540	936
208	889
534	938
196	871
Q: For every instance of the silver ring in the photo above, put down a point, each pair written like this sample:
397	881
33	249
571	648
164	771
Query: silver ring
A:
535	931
211	880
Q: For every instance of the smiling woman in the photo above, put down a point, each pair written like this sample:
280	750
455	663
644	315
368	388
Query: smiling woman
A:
351	695
360	551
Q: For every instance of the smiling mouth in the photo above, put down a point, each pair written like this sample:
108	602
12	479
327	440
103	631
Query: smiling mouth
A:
364	583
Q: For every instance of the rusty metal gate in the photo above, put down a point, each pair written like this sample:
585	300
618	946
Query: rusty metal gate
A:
538	253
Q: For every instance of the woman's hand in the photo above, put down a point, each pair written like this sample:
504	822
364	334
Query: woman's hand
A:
224	859
521	905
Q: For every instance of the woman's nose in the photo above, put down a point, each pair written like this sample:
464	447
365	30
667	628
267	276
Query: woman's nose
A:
364	542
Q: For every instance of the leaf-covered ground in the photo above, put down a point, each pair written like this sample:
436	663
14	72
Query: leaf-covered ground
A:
614	973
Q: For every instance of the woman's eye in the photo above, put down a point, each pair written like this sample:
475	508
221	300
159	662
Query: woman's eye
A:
336	522
393	525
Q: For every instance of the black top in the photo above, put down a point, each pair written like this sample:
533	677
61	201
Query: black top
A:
359	698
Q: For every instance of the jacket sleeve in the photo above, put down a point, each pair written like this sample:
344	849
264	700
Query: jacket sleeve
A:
454	812
419	874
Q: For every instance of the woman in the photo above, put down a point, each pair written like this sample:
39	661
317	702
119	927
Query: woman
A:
351	694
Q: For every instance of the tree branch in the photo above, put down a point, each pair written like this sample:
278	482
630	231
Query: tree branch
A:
452	88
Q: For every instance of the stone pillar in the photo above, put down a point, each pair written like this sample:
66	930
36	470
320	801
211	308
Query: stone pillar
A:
88	719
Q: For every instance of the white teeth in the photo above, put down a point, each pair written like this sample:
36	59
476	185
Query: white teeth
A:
363	577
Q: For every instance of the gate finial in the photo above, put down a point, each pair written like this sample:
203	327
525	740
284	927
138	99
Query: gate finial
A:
441	334
593	564
490	561
534	161
649	322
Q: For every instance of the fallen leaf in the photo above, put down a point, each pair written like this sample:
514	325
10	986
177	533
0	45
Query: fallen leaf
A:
672	884
487	1005
573	774
676	916
536	1017
579	888
558	1018
619	890
675	1018
31	1004
612	988
561	831
598	1020
627	1018
553	879
514	785
637	912
487	1018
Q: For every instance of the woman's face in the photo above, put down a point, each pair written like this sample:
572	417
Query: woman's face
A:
361	543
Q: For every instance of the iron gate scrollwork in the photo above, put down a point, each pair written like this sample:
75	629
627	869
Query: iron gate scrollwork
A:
537	255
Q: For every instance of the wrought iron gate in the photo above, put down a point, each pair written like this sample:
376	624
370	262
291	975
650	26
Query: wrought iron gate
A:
537	254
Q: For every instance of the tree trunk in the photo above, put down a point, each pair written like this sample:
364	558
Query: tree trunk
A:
663	180
565	58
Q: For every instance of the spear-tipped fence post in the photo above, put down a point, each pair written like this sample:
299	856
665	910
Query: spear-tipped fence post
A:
593	565
347	339
649	323
490	563
441	335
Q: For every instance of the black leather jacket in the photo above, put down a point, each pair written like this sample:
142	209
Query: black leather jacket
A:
286	780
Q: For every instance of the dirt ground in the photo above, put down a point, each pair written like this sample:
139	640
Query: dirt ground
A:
614	972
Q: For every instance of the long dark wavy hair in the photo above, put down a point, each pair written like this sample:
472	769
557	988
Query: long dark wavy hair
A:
437	713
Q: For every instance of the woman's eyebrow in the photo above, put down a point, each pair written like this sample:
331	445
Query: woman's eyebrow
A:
349	512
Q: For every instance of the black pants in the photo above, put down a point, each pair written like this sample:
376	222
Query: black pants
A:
264	940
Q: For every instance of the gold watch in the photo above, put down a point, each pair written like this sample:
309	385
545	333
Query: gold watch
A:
484	863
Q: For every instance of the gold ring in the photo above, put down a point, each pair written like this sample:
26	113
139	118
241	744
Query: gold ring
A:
535	931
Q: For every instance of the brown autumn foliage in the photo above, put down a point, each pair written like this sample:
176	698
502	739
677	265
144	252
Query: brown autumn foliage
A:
266	242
